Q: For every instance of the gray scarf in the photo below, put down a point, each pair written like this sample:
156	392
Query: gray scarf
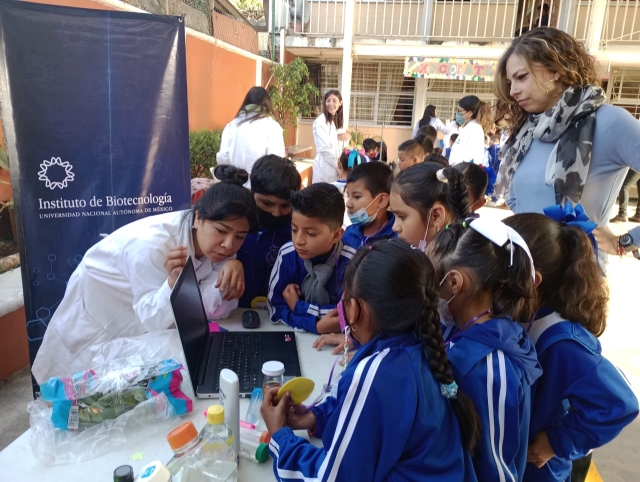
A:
570	124
313	286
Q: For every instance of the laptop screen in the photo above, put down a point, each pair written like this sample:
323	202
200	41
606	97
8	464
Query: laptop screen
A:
191	320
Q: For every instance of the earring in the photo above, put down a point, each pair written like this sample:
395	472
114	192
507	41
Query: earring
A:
354	328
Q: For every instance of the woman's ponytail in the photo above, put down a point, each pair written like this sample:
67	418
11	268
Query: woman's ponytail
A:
430	333
484	117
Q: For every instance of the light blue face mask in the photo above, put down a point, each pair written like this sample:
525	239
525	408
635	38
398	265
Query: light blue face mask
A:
361	218
460	119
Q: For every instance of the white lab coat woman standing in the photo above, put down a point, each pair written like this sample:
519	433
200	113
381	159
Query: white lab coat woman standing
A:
327	138
252	134
123	285
473	115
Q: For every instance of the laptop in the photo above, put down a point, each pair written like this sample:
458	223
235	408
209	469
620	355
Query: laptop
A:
207	353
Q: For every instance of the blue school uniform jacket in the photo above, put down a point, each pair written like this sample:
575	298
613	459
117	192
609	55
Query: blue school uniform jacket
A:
353	234
581	400
495	364
388	422
258	254
289	268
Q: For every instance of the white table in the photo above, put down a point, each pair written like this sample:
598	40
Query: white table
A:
18	463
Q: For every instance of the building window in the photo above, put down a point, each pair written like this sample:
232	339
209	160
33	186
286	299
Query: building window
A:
445	94
625	90
325	76
381	94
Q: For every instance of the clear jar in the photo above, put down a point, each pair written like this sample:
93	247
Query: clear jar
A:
255	436
256	452
273	372
193	461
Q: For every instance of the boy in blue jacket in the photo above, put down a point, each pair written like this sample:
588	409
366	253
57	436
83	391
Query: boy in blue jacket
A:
487	279
273	179
398	415
306	281
368	189
582	401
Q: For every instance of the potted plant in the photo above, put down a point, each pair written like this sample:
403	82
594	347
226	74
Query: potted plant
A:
291	92
12	217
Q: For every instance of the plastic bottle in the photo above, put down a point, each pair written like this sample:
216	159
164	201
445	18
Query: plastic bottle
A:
256	452
198	460
124	473
215	425
230	400
273	372
255	436
154	472
253	412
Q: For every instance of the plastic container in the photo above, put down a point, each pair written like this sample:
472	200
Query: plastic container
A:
198	460
124	473
254	436
273	372
253	412
256	452
154	472
215	425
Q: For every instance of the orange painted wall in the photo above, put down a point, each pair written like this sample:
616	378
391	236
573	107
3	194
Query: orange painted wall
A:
14	350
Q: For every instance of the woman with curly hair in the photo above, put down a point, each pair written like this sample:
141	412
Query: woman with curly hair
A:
566	144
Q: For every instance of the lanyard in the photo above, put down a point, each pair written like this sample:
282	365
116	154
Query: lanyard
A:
455	337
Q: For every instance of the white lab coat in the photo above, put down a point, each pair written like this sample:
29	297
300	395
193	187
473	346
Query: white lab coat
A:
243	144
453	128
325	164
469	146
121	289
437	124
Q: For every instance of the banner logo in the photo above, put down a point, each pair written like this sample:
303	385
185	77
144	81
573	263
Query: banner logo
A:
60	172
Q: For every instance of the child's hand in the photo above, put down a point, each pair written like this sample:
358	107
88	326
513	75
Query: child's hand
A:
274	411
329	323
540	451
337	340
300	417
291	295
173	263
231	280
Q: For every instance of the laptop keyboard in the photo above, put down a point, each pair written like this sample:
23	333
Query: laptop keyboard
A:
240	353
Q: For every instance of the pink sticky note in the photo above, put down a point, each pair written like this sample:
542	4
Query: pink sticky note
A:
213	327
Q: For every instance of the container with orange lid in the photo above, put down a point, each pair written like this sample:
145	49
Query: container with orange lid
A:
196	459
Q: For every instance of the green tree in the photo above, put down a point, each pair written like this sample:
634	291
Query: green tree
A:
203	148
291	92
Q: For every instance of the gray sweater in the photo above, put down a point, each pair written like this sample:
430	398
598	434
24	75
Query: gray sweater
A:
616	148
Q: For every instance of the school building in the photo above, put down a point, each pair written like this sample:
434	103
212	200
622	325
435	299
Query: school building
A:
361	47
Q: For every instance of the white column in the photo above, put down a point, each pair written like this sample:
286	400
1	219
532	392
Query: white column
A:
596	25
282	31
259	73
347	61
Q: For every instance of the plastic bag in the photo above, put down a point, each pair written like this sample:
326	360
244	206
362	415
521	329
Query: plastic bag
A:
106	392
56	446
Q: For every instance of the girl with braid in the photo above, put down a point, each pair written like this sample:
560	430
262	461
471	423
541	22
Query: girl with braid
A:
486	288
399	414
425	198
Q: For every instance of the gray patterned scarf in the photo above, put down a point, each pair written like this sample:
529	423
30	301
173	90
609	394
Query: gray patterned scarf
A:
314	284
570	124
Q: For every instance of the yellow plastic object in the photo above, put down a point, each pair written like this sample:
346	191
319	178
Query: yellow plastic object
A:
299	387
259	303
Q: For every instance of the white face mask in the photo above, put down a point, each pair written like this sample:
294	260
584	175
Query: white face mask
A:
446	317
